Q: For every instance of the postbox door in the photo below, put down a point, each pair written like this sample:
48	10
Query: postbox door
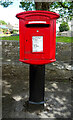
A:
37	43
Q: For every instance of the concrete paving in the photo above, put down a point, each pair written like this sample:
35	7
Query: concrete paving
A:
58	100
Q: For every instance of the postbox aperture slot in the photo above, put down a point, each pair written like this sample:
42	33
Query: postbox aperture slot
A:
37	25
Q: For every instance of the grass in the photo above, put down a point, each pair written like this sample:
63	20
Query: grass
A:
10	38
64	39
58	38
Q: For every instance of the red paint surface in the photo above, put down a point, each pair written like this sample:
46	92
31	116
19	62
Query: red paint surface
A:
48	33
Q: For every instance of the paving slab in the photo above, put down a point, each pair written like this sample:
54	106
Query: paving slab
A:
58	100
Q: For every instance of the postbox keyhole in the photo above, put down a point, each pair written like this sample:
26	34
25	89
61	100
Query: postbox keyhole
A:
26	40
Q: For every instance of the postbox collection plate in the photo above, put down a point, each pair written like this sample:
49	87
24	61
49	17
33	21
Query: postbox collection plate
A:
37	43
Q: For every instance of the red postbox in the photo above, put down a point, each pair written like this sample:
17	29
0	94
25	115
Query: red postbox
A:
37	34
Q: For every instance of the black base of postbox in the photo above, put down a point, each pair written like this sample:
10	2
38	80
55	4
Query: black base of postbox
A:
36	84
33	107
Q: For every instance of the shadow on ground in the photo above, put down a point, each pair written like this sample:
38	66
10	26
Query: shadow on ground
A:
58	97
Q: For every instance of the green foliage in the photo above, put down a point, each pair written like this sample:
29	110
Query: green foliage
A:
26	6
15	31
5	30
3	22
6	3
64	26
64	9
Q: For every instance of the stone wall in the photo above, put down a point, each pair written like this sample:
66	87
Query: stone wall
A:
12	68
66	33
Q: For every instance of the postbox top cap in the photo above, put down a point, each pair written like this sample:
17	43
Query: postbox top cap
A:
24	15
